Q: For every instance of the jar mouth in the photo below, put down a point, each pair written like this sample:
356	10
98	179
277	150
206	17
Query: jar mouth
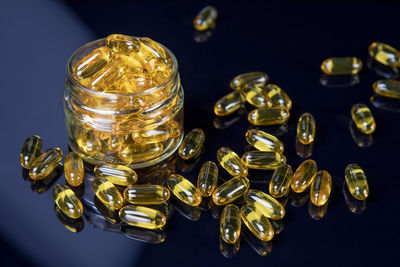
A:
98	43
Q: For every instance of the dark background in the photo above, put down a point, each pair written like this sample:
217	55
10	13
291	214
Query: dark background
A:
286	40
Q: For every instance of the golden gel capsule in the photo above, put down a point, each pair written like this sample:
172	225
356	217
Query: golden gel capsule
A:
184	190
228	104
263	160
264	141
206	18
257	223
356	181
119	43
88	143
268	116
255	96
363	118
341	66
230	190
142	217
269	206
387	88
306	129
107	193
147	194
280	181
30	151
67	201
207	179
73	169
92	63
321	188
45	163
384	54
304	175
231	162
277	96
192	144
255	78
230	224
116	174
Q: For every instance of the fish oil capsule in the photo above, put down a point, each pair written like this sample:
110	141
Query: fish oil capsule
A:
206	18
362	117
264	141
92	63
228	104
74	169
255	96
140	152
268	116
142	217
107	193
306	129
67	201
30	151
207	179
387	88
192	144
156	134
116	174
231	162
119	43
384	54
280	181
255	78
230	190
230	224
304	175
263	160
278	97
88	143
45	163
356	181
184	190
321	188
146	194
341	66
270	207
257	223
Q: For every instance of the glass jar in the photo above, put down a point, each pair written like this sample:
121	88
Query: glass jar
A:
138	129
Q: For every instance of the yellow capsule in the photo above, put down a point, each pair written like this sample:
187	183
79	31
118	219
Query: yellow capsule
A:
231	162
67	201
150	48
387	88
306	129
156	134
30	151
356	181
116	174
277	96
45	163
73	169
73	225
321	188
133	152
119	43
147	194
255	96
88	143
304	175
363	118
264	141
228	104
184	190
107	193
207	179
230	224
115	142
192	144
206	18
92	63
341	66
268	116
263	160
268	206
280	181
385	54
257	223
255	78
142	217
230	190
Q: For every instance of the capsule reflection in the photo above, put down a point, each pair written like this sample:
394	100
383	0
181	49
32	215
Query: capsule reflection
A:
304	151
386	72
228	250
73	225
298	199
339	80
361	139
155	236
317	212
192	213
262	248
385	103
355	206
226	122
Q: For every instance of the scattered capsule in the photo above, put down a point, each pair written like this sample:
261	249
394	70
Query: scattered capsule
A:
116	174
306	129
151	236
184	190
304	175
278	97
230	190
270	207
73	169
356	181
317	212
192	144
255	78
255	96
363	118
31	150
304	151
206	18
384	54
119	43
355	206
142	217
73	225
92	63
45	163
207	179
264	141
341	66
107	193
280	181
230	224
231	162
387	88
67	201
268	116
146	194
229	104
263	160
321	188
257	223
228	250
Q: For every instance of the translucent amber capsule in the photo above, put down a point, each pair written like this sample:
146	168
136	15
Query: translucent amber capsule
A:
255	78
107	193
206	18
280	181
88	143
384	54
92	63
231	162
387	88
230	224
321	188
268	116
45	163
115	142
67	201
146	194
269	206
207	179
106	78
264	141
31	150
257	223
263	160
304	175
140	152
119	43
341	66
356	181
156	134
306	129
116	174
277	96
73	169
228	104
230	190
363	118
192	144
151	48
142	217
255	96
184	190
